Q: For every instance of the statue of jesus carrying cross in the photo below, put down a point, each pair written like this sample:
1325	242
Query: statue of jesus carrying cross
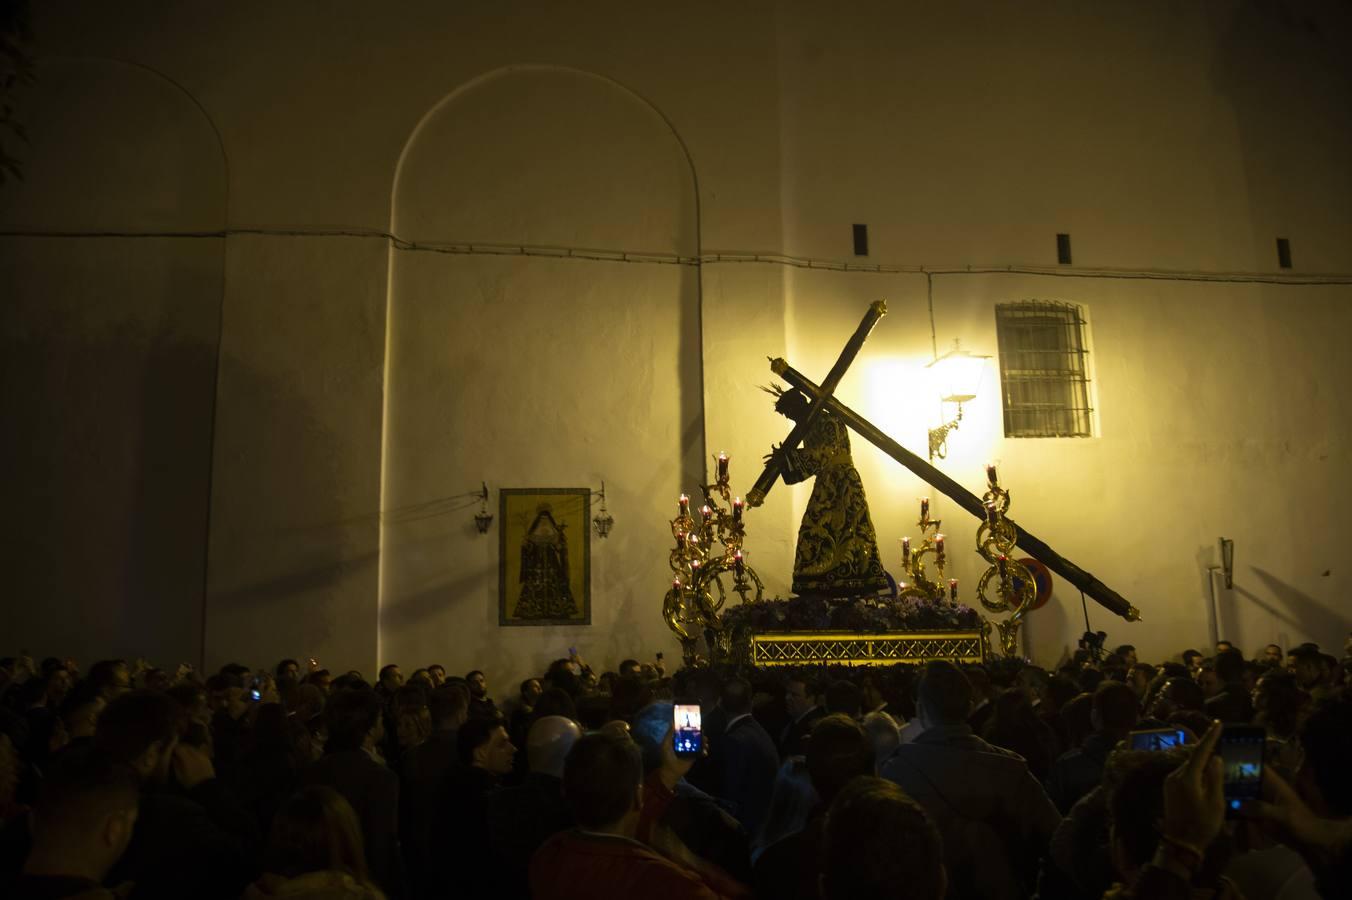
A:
837	534
837	553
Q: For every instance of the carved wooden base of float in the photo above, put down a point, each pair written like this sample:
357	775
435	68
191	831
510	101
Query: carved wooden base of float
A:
843	648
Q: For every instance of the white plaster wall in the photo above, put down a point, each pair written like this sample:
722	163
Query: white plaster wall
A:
356	379
540	372
107	365
1218	416
295	500
1183	138
1162	136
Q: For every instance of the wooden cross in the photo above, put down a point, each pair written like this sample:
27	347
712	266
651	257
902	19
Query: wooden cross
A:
822	399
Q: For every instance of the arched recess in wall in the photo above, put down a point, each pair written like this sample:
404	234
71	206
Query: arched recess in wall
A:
529	370
109	332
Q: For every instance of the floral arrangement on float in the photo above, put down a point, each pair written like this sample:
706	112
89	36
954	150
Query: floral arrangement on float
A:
819	614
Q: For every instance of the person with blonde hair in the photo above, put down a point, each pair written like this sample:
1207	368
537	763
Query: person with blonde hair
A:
315	851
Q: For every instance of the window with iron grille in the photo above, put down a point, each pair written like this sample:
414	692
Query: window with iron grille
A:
1044	377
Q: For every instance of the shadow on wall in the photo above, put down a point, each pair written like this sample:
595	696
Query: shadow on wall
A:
1044	626
280	546
1303	613
113	476
109	351
166	536
424	604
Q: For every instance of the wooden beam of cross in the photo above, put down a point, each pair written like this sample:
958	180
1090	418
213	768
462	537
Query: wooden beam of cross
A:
1038	549
876	310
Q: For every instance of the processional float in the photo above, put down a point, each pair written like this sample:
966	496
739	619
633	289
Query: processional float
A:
711	546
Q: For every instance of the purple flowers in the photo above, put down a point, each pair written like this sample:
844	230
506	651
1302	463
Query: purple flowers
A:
859	615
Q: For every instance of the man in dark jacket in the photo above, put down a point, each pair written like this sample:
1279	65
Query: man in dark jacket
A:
1079	771
191	839
352	767
426	769
995	819
82	823
744	761
790	868
800	702
1232	703
522	818
460	841
481	705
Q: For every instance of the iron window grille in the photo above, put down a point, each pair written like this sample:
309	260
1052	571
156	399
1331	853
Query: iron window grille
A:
1044	379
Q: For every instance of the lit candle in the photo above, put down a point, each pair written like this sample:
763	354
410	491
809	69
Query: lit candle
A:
680	539
939	549
737	506
694	566
706	512
991	513
675	584
953	589
739	562
722	467
924	509
990	474
684	501
693	538
906	552
1003	564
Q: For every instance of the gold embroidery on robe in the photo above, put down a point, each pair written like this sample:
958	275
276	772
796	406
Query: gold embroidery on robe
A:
837	546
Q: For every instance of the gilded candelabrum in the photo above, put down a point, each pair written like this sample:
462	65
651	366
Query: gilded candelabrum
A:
1012	586
917	585
698	564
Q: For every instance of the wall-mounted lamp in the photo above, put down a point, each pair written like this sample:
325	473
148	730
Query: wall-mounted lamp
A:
957	375
603	520
483	519
1228	562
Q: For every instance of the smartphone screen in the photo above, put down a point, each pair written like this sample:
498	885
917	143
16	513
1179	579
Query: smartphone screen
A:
256	694
686	739
1241	751
1157	739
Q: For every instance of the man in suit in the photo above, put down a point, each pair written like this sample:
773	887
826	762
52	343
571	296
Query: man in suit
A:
744	760
353	768
800	700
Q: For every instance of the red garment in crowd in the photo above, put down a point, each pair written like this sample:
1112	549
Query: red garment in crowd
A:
607	867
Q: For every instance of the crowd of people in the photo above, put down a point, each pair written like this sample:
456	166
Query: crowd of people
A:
978	781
